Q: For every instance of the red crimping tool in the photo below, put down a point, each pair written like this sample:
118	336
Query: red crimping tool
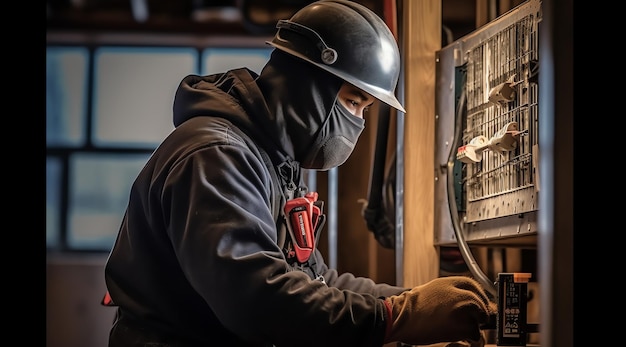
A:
304	215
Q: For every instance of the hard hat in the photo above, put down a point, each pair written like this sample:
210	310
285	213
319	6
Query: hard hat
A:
348	40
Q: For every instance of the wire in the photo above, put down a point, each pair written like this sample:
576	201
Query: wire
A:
474	268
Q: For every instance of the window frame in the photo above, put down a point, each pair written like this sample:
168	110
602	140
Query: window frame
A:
92	42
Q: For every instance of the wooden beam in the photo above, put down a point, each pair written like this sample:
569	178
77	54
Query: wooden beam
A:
421	38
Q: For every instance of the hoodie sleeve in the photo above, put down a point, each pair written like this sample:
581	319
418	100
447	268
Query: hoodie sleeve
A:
224	236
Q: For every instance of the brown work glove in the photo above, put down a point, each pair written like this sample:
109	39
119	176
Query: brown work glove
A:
479	343
446	309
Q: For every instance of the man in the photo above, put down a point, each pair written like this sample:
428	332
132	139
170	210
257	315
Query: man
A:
217	245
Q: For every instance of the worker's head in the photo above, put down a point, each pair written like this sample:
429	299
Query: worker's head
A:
329	55
348	40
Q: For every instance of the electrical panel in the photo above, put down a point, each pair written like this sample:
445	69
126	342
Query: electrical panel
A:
486	153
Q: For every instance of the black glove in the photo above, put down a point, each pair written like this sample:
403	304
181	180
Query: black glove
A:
446	309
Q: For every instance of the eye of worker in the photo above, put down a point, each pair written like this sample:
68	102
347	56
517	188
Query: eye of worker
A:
354	99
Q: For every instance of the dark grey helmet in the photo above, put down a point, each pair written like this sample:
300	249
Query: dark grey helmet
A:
348	40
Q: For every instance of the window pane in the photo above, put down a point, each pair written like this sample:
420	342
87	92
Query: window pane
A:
53	201
215	60
99	188
134	91
66	95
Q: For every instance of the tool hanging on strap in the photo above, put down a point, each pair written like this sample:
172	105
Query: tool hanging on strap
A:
304	219
374	211
379	209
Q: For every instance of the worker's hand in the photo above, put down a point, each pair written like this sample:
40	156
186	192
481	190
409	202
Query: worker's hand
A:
479	343
445	309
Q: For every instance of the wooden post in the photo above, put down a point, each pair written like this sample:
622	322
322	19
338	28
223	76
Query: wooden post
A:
421	38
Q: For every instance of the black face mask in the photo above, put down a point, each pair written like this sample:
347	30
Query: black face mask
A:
307	122
335	139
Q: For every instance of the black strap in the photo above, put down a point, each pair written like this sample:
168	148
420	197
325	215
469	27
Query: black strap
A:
277	193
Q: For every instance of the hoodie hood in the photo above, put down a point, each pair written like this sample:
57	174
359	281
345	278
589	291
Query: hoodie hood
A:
232	95
284	108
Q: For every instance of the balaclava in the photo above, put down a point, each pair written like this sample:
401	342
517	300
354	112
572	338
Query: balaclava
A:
302	98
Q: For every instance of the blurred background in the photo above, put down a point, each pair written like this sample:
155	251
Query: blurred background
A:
112	68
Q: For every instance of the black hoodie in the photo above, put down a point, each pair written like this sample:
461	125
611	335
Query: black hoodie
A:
199	258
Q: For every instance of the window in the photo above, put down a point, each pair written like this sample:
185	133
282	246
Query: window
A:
133	93
107	108
216	60
53	201
66	101
98	194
